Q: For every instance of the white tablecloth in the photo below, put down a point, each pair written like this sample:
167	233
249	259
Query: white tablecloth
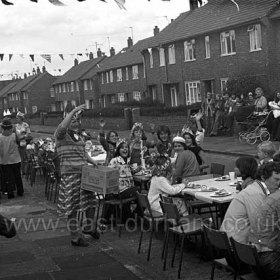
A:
206	196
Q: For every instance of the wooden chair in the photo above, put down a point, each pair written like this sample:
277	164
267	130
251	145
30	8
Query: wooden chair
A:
248	254
217	168
118	203
152	217
189	225
218	240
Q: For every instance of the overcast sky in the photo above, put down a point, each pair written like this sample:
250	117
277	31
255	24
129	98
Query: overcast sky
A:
42	28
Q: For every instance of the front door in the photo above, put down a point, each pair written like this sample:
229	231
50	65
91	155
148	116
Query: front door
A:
174	99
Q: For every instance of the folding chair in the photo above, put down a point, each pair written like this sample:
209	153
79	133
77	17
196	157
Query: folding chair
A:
192	225
218	240
152	217
248	254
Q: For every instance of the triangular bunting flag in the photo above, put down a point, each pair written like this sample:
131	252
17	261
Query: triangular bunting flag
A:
80	54
10	57
121	4
34	1
1	56
47	57
6	2
56	2
32	57
61	56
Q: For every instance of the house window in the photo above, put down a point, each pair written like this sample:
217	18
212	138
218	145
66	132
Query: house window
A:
59	88
87	104
171	54
189	48
174	98
154	93
25	95
111	76
53	108
56	89
17	97
228	42
102	78
72	86
121	97
135	72
25	110
137	95
192	92
73	103
77	86
126	73
107	77
68	87
224	85
52	92
119	75
90	84
161	57
113	99
207	46
64	87
255	37
85	84
151	58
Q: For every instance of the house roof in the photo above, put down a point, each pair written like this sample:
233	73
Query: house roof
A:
7	88
131	56
37	77
22	83
77	71
215	15
92	72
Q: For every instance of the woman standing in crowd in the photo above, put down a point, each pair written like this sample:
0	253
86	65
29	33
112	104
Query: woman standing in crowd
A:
161	185
109	144
261	101
197	150
246	167
186	164
23	131
273	119
10	160
71	151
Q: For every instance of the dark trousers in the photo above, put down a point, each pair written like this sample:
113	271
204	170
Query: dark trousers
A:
273	126
11	179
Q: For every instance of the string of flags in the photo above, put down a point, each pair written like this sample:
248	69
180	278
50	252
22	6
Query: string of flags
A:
120	3
47	57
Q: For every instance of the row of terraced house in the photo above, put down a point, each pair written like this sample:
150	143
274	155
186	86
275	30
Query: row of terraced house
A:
196	53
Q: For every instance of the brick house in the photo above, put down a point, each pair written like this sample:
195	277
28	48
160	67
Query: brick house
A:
204	47
122	76
29	95
78	84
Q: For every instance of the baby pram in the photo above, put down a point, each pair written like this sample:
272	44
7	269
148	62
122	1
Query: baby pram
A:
257	128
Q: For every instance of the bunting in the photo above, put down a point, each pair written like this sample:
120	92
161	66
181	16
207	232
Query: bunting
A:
1	56
57	2
61	56
32	57
121	4
47	57
10	57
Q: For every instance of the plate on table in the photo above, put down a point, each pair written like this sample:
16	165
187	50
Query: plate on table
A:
223	178
221	193
233	184
208	189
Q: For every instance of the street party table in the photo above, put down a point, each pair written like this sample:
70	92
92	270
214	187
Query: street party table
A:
219	191
143	177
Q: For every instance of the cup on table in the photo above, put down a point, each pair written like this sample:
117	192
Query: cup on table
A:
239	179
231	175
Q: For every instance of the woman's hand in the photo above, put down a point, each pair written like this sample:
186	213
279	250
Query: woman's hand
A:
185	182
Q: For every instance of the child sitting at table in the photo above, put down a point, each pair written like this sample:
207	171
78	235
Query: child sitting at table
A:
161	185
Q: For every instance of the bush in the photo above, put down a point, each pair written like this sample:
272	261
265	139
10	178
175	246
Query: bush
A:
110	112
172	111
147	102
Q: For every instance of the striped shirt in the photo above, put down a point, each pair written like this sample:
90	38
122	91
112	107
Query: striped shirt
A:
71	153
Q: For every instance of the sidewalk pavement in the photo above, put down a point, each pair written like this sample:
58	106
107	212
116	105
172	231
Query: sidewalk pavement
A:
227	145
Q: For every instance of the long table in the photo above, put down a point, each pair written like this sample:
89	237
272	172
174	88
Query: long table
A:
221	201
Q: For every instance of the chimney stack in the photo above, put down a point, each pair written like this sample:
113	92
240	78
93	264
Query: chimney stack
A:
38	70
44	69
33	71
24	75
99	53
129	42
90	55
76	62
112	51
194	4
156	30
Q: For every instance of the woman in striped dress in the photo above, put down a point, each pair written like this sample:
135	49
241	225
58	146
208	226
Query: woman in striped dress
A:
71	151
